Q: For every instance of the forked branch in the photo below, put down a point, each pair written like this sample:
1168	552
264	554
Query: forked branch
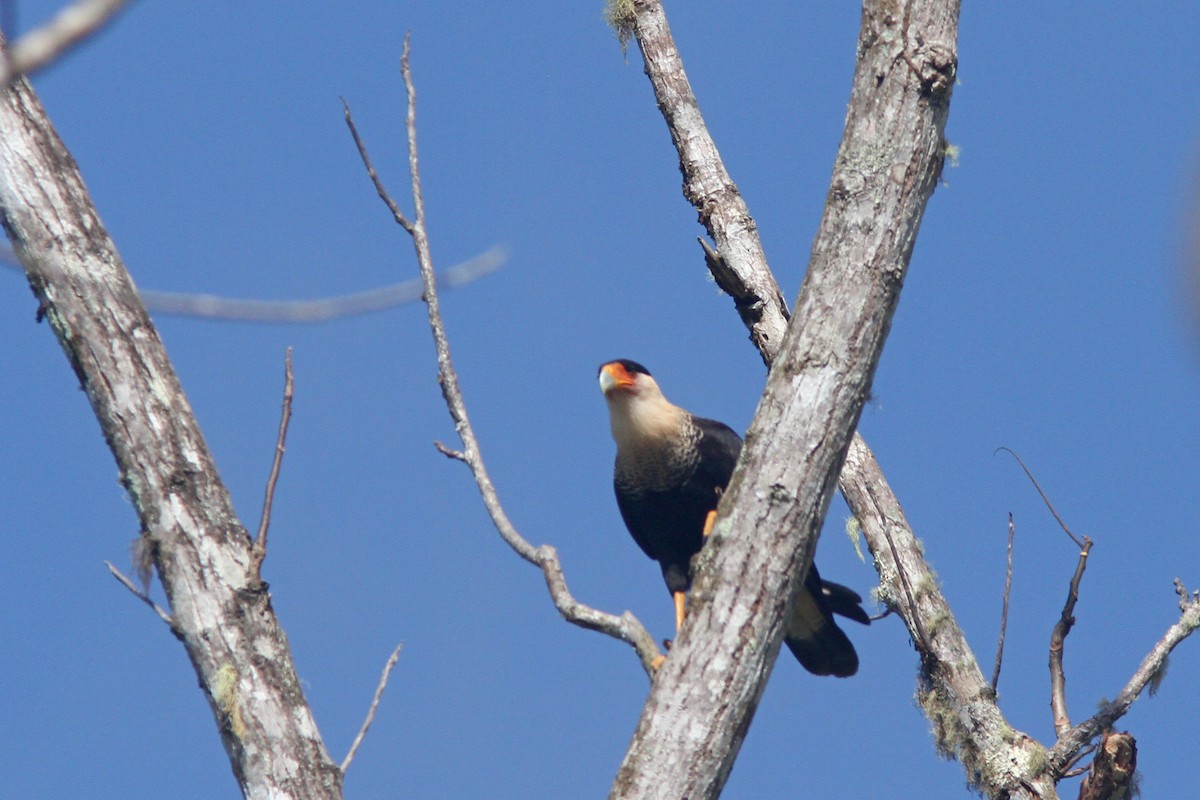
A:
625	627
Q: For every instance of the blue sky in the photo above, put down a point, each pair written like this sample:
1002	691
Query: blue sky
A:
1044	311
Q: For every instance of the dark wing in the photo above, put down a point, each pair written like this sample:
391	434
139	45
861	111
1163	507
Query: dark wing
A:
814	638
719	447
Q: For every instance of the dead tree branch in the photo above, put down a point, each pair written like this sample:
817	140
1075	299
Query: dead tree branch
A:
743	273
1058	638
69	27
625	627
366	726
1008	573
1073	741
285	417
961	705
1029	474
890	156
968	725
739	263
1066	620
200	548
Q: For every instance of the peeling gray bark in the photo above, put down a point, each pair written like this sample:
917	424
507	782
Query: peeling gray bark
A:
705	695
221	609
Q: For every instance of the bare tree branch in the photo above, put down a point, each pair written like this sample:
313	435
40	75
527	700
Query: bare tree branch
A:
285	417
950	707
961	705
739	263
887	166
1000	761
1066	620
1058	638
1154	662
201	550
1008	573
366	726
625	627
44	45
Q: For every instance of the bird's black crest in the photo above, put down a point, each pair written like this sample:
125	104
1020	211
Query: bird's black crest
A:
631	366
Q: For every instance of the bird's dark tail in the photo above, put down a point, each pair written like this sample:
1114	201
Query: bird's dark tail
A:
814	638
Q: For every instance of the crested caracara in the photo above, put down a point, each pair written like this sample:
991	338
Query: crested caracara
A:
670	471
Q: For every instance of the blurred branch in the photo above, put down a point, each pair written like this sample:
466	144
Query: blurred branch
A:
323	309
207	306
69	27
625	627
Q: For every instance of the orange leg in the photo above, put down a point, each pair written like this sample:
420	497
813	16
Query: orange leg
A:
680	610
708	522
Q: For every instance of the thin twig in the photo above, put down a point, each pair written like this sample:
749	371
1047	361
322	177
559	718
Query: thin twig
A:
625	627
43	45
383	193
140	595
260	541
1070	769
1012	532
362	732
1045	499
1066	620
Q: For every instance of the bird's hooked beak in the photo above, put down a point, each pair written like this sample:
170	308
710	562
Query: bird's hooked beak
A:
614	376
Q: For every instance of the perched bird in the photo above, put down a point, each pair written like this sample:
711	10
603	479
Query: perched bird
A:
670	471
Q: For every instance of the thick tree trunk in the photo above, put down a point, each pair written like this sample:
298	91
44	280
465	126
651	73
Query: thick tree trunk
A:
704	697
221	609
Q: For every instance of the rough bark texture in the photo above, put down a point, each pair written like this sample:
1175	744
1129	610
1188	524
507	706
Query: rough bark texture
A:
221	609
741	269
1000	762
704	697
